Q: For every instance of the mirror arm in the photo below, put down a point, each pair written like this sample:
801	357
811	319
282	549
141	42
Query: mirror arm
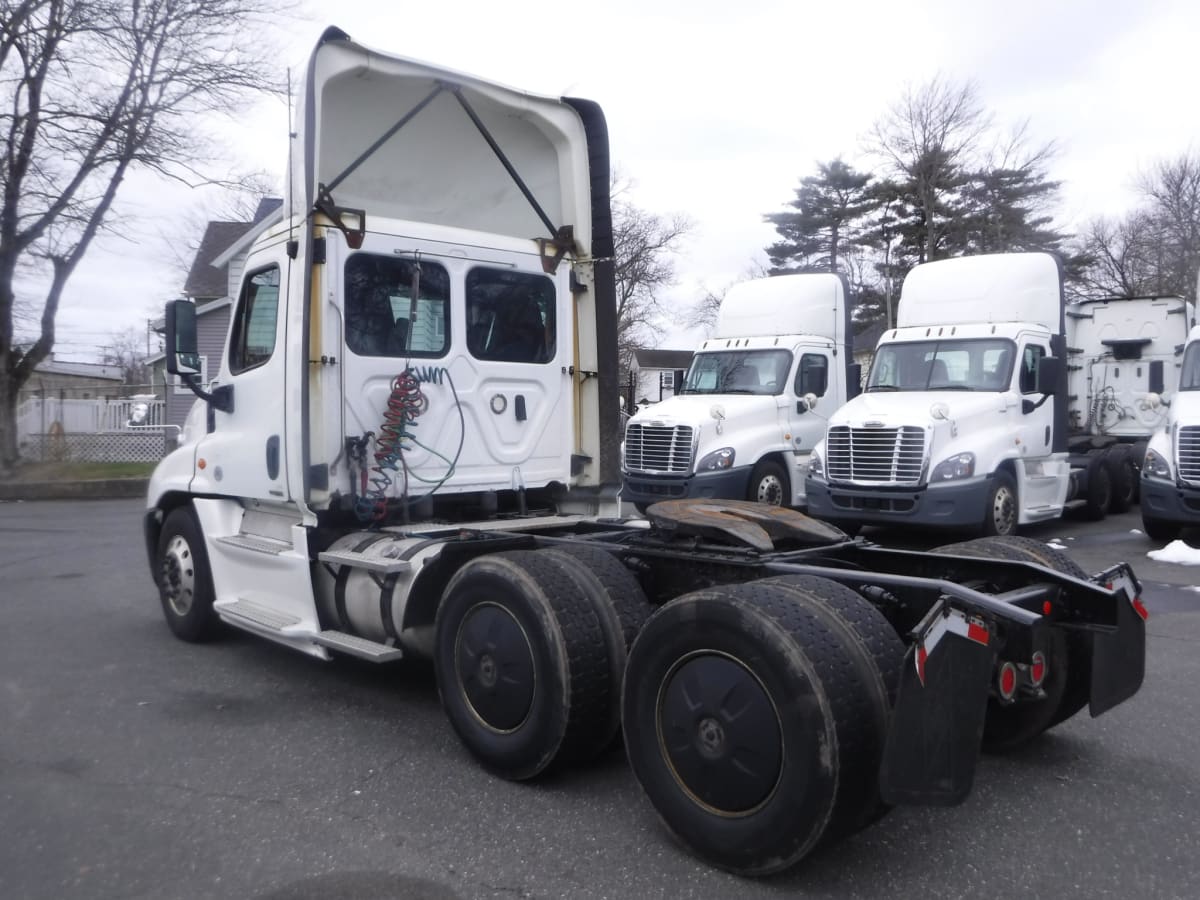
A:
221	397
1028	406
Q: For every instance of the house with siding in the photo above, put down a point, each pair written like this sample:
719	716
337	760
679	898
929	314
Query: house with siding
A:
213	283
653	374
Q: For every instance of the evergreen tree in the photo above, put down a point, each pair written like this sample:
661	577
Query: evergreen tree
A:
827	222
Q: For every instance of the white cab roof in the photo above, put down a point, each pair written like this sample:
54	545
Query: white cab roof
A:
811	303
1002	287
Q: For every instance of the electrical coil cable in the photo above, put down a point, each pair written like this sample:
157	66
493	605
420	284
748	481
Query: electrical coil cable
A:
396	437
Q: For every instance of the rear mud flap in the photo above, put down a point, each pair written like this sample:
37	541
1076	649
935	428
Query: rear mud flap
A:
1119	657
937	724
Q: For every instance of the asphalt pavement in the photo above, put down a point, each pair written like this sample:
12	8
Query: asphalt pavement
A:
136	766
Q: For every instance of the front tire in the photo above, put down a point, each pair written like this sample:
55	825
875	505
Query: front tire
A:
1124	476
1001	511
184	578
1099	492
769	484
1160	529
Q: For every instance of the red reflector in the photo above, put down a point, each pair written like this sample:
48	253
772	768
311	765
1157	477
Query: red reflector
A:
977	633
1008	680
1047	608
921	657
1140	608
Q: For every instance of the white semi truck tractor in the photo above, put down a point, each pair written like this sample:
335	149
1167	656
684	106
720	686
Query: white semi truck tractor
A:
411	448
964	419
1170	482
754	400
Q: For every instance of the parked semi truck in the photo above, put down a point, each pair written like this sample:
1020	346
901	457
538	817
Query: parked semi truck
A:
1119	350
754	400
1171	469
411	449
966	418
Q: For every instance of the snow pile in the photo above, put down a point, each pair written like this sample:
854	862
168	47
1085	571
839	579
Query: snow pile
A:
1177	552
1055	545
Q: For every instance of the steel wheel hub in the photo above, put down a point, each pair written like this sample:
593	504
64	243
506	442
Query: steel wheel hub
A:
179	576
494	664
720	733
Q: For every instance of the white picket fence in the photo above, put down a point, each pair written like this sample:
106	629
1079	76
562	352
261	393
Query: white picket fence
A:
97	430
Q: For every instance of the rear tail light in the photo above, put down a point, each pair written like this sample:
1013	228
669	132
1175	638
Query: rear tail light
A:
1006	681
1037	669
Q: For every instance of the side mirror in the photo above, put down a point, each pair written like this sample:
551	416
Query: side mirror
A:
807	402
1049	373
183	356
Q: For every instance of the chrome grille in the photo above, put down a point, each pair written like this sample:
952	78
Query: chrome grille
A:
660	449
1189	454
875	455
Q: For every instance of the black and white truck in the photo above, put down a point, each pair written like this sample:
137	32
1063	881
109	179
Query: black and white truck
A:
412	448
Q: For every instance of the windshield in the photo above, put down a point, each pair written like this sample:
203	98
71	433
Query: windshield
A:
1189	379
738	372
970	365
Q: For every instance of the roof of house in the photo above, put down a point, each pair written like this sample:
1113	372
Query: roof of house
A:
647	358
52	366
207	281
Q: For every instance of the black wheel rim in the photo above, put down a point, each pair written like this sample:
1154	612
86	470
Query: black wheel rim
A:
720	733
494	665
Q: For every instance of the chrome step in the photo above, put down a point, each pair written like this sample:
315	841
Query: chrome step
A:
257	543
359	561
357	646
251	613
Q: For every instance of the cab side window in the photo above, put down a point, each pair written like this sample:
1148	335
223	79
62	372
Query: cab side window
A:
812	376
253	336
1029	368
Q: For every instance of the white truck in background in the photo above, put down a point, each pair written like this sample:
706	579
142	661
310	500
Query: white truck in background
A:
1170	482
754	401
1119	350
963	422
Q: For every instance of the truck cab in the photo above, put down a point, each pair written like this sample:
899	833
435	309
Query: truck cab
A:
754	401
1170	483
962	420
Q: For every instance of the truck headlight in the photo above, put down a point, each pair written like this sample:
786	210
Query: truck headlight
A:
961	465
717	461
1154	466
816	465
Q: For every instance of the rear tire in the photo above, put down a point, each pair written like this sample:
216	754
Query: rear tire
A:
769	484
1124	476
184	579
743	711
1099	489
1068	681
521	663
876	654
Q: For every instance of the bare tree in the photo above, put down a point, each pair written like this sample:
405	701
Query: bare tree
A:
929	140
128	351
643	244
703	313
90	92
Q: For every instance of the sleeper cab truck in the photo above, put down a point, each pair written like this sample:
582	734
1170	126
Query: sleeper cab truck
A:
754	400
410	449
963	420
1123	360
1170	482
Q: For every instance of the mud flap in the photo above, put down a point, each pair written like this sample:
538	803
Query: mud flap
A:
937	724
1119	657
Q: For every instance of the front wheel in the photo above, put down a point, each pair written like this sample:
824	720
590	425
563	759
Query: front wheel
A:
769	484
1160	529
1000	512
1124	475
184	580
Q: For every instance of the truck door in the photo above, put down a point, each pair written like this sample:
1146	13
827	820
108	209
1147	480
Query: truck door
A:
482	331
812	377
244	451
1042	485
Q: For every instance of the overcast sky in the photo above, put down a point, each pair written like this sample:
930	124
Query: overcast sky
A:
717	109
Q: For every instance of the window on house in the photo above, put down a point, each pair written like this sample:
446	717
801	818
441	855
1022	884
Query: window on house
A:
397	307
254	324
